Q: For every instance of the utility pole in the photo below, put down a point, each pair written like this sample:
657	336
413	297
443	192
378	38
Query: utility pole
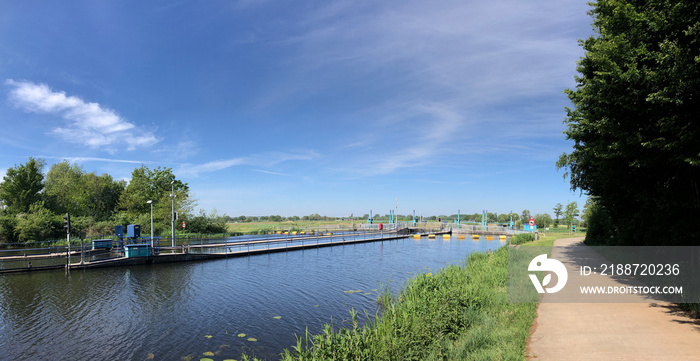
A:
151	203
172	213
66	225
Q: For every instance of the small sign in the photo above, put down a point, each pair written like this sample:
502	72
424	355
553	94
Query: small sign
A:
531	222
183	224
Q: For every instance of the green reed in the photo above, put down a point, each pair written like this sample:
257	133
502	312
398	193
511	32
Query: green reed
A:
459	313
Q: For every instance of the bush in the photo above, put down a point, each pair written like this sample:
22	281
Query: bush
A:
523	238
600	226
8	224
38	224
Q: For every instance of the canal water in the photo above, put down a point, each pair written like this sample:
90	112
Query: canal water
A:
181	311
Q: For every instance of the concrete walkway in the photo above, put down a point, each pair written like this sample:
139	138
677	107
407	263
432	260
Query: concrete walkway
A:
610	331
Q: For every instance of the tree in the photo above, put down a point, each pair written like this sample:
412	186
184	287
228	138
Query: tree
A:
570	213
101	194
587	210
600	229
543	220
557	213
491	217
61	191
37	224
68	189
525	215
22	186
155	184
634	121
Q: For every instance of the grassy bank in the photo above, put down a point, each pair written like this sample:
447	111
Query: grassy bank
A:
459	313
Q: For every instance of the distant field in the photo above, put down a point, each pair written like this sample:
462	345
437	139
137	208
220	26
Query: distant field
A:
262	227
257	227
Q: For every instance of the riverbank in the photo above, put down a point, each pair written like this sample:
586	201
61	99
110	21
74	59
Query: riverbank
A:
459	313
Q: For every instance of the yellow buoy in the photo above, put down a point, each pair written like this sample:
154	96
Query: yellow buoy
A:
416	236
461	236
475	237
501	238
431	236
489	238
445	236
328	234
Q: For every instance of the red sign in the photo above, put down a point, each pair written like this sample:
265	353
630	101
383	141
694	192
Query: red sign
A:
183	224
532	221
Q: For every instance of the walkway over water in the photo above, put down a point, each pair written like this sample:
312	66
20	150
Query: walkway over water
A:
194	249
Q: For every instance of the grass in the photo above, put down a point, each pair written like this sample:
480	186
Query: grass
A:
459	313
265	227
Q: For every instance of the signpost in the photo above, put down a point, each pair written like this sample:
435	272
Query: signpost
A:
531	226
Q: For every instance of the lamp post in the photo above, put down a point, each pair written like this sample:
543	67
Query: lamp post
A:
172	213
151	203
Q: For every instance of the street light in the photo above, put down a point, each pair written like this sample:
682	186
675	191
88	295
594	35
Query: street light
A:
151	203
172	213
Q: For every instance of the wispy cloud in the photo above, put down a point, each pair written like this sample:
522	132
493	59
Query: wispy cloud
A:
97	159
480	51
87	123
258	160
432	77
268	172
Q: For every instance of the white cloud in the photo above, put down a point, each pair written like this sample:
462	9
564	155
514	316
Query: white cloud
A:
474	51
88	123
259	160
96	159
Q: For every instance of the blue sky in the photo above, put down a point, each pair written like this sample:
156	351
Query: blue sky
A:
298	107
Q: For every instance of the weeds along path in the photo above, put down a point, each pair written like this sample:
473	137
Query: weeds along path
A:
611	331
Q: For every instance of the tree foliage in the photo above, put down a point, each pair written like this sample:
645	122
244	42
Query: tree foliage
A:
558	210
68	189
33	207
543	220
21	186
635	120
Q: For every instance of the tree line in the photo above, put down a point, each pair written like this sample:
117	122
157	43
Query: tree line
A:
32	205
634	123
563	216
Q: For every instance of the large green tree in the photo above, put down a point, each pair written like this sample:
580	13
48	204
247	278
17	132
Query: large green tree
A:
62	188
68	189
154	185
635	121
21	186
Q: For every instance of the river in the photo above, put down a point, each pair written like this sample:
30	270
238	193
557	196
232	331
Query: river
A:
181	311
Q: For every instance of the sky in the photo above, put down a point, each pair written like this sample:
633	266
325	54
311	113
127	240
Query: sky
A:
299	107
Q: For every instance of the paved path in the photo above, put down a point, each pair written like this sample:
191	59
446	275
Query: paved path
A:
610	331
